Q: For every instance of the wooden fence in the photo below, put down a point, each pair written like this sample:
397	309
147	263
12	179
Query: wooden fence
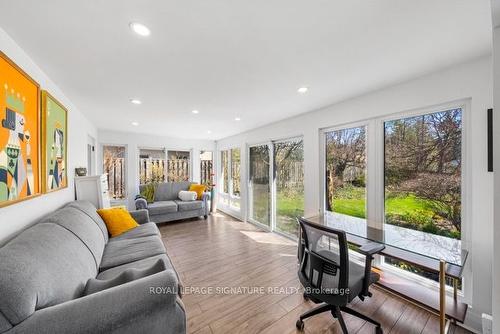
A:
178	170
115	169
151	170
289	175
206	170
161	170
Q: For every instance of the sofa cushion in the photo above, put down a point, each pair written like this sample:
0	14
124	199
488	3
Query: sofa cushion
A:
82	226
129	275
139	265
130	250
144	230
162	207
45	265
189	206
90	210
5	325
118	220
169	191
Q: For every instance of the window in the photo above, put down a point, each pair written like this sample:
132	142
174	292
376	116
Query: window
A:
230	178
420	172
225	171
259	185
289	180
178	168
235	172
423	173
345	186
114	165
151	165
206	168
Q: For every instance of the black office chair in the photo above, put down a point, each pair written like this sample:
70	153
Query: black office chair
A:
329	277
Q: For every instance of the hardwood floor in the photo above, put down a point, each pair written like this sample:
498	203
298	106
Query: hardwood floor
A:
223	253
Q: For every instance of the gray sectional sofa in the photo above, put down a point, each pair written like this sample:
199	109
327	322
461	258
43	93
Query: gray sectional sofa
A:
65	275
167	206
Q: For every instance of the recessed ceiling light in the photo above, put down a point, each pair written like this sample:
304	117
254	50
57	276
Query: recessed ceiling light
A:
135	123
237	119
135	101
302	90
140	29
209	132
195	112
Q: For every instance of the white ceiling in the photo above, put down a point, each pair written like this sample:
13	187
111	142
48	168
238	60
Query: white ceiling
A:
237	58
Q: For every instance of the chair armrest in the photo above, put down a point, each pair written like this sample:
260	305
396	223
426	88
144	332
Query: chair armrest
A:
148	303
141	203
141	216
371	248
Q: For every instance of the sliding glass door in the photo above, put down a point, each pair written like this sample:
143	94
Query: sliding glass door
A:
276	185
259	187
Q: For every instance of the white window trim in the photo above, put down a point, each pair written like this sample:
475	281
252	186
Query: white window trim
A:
375	186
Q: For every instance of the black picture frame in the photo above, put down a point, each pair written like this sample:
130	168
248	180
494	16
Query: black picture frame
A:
490	139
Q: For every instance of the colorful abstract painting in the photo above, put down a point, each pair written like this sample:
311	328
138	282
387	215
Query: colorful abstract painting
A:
54	144
19	134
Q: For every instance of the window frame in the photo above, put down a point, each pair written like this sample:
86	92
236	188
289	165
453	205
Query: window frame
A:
139	148
231	182
212	179
190	160
272	182
228	195
101	168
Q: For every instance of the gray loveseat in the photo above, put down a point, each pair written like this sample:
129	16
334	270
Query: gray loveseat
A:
168	207
46	271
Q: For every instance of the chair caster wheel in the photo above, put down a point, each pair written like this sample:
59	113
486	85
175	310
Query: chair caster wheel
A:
300	325
378	330
306	297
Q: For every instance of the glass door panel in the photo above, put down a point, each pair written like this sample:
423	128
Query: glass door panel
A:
259	186
289	181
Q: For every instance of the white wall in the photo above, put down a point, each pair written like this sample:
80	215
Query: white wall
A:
135	141
472	81
18	216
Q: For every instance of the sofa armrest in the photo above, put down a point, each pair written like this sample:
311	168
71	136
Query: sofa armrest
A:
141	216
141	203
205	197
146	305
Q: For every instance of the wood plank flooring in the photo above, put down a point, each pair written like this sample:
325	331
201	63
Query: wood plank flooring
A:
239	279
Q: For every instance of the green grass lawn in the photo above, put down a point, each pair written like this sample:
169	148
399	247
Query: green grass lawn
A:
290	206
352	201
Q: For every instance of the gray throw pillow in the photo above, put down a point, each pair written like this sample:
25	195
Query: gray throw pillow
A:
95	285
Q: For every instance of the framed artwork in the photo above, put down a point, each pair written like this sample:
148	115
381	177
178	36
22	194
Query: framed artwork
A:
54	144
19	134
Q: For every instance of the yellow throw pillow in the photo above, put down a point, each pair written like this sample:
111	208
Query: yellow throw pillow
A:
118	220
199	188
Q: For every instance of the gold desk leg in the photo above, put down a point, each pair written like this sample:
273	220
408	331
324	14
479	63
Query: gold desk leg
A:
442	297
455	289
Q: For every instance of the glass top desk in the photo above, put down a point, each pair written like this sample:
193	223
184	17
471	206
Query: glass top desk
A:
437	254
